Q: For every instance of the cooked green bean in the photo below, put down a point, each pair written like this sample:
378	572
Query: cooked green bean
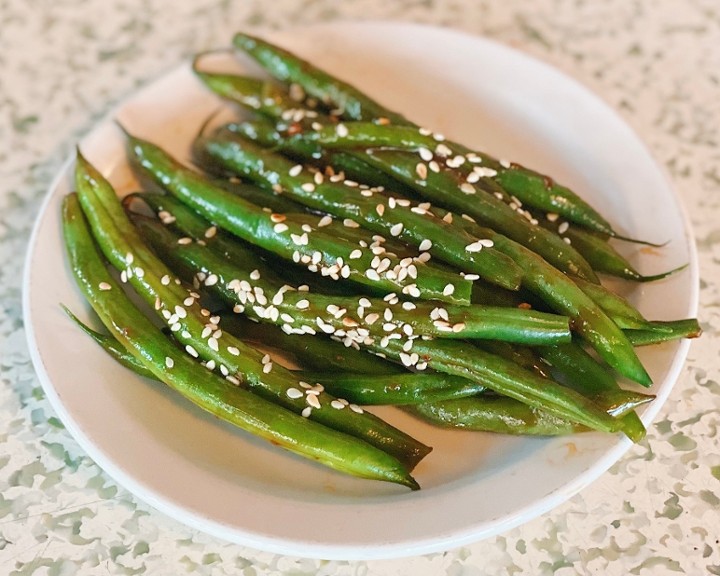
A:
372	208
351	318
206	390
201	334
531	187
293	238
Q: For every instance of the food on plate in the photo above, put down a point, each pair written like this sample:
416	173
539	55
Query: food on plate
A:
393	265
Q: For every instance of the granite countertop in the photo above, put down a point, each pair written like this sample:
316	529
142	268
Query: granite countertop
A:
65	64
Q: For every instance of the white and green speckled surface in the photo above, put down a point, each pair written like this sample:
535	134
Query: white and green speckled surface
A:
64	64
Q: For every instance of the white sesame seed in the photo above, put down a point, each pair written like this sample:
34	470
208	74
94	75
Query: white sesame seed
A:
563	228
184	240
300	240
325	221
306	412
459	327
372	274
355	254
370	319
448	218
425	154
566	240
421	170
413	290
294	393
312	400
484	172
552	217
255	275
267	368
465	188
396	229
104	286
318	178
471	277
355	408
341	130
190	350
348	223
380	209
337	404
169	362
210	232
449	289
474	247
295	170
425	245
165	280
166	217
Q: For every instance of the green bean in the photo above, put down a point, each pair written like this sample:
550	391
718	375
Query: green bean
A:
531	187
507	416
601	256
658	331
587	319
440	187
291	237
297	311
598	252
492	371
326	88
369	207
397	389
526	357
204	389
108	343
624	314
202	336
311	354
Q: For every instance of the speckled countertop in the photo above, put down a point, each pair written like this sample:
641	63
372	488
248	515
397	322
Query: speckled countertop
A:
64	64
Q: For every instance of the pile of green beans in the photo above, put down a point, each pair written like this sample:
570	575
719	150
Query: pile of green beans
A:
388	264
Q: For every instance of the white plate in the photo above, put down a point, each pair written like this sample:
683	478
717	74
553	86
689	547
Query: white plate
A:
220	480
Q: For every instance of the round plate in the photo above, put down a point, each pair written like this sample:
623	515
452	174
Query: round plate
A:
221	480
